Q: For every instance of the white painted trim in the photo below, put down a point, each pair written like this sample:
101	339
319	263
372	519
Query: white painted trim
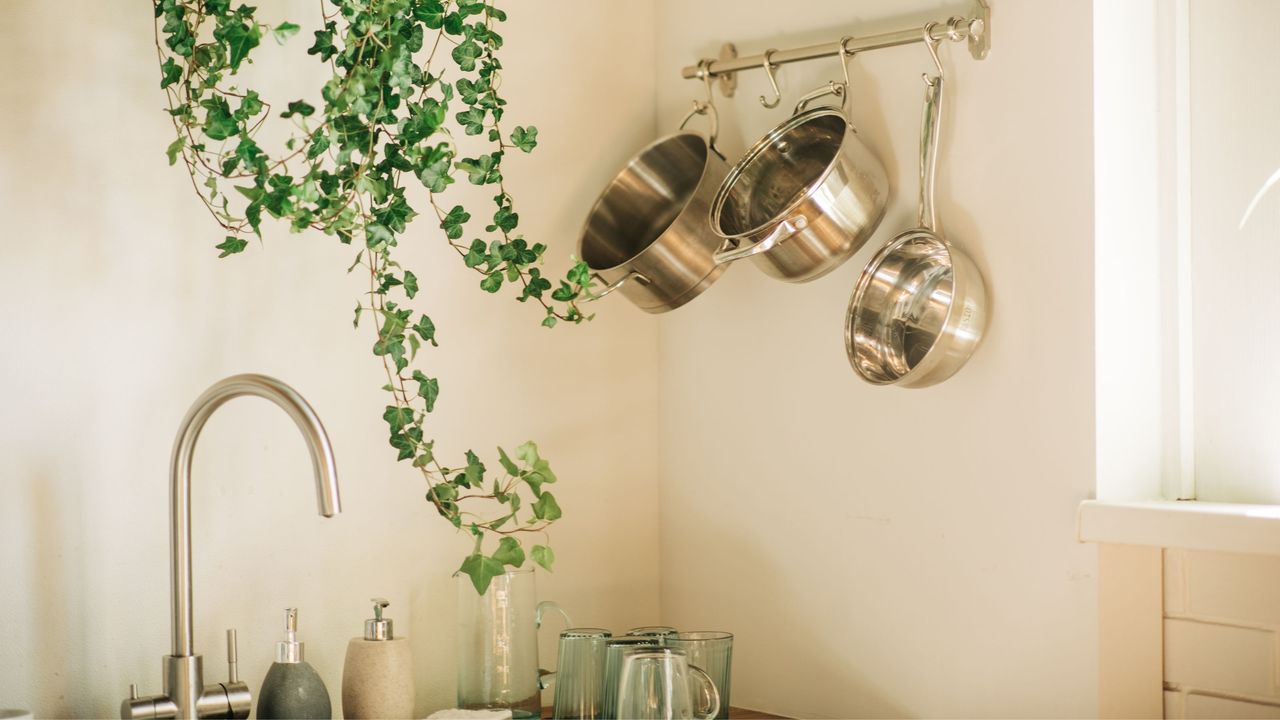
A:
1220	527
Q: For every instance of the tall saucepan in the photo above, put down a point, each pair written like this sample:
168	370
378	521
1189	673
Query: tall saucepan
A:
919	308
647	233
806	196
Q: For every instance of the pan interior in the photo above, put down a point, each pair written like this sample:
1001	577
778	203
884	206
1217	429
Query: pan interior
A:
643	200
778	173
902	310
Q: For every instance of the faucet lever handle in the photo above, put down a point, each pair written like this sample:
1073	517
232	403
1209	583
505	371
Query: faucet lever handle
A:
133	691
233	660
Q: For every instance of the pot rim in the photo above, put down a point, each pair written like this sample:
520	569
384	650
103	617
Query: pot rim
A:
717	203
930	359
582	233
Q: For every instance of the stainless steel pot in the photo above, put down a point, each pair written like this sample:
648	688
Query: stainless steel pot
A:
919	308
647	233
805	198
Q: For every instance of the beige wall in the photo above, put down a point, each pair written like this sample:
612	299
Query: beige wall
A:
117	314
886	552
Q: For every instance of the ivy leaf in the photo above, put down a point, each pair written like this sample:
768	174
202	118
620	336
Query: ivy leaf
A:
430	13
482	570
428	389
323	45
436	176
231	246
240	38
481	170
356	321
546	508
471	120
525	138
397	418
507	465
426	330
410	284
509	552
284	31
550	320
465	54
298	107
544	556
170	73
474	472
476	254
491	282
219	124
453	221
175	148
377	234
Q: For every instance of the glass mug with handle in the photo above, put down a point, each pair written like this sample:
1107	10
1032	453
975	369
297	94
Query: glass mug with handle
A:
615	649
660	684
498	644
713	652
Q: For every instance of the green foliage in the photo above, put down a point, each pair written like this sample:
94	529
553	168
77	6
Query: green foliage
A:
380	122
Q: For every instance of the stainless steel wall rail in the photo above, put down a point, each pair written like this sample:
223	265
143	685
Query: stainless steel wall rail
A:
976	30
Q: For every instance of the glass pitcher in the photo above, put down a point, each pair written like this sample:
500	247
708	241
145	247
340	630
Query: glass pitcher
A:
498	644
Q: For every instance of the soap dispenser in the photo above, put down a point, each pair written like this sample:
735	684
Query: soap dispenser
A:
377	677
292	688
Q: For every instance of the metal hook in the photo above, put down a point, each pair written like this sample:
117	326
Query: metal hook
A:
704	71
845	54
932	44
768	70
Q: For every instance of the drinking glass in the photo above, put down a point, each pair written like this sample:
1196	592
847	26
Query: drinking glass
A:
660	684
498	644
579	674
658	631
615	648
713	652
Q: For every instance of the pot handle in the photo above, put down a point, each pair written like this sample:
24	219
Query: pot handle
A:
785	230
831	88
610	287
706	108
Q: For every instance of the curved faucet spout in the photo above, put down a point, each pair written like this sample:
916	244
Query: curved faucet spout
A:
327	498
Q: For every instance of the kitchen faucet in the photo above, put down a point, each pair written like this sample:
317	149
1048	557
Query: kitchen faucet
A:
185	694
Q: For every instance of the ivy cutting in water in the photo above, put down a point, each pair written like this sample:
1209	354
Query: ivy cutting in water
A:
406	77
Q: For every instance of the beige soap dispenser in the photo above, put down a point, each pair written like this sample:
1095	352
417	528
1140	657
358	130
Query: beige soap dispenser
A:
377	677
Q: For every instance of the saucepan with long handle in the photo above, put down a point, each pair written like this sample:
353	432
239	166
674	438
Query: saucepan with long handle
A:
919	308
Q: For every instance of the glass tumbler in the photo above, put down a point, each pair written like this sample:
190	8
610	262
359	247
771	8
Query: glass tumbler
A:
660	684
713	652
579	674
614	650
658	631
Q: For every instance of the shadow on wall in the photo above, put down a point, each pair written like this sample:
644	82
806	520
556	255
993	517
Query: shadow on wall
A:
57	582
788	651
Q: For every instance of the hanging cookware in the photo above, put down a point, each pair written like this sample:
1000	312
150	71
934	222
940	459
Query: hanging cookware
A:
804	198
647	232
919	308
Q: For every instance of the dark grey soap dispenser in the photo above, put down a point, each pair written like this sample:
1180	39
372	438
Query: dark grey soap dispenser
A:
292	688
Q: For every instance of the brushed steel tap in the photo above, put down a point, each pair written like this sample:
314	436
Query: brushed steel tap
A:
185	694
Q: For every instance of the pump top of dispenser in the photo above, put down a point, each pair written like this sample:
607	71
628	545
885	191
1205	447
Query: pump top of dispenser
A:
377	628
289	650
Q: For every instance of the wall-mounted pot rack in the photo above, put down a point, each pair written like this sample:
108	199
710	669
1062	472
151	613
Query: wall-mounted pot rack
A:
975	29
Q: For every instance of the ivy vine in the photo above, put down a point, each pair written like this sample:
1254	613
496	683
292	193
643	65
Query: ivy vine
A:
399	70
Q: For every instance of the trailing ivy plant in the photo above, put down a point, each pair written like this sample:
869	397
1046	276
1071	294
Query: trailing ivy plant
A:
405	76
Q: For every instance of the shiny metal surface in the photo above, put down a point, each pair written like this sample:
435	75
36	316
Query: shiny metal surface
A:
813	175
649	224
185	695
919	308
975	29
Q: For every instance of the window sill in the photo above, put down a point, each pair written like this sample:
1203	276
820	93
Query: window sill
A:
1219	527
